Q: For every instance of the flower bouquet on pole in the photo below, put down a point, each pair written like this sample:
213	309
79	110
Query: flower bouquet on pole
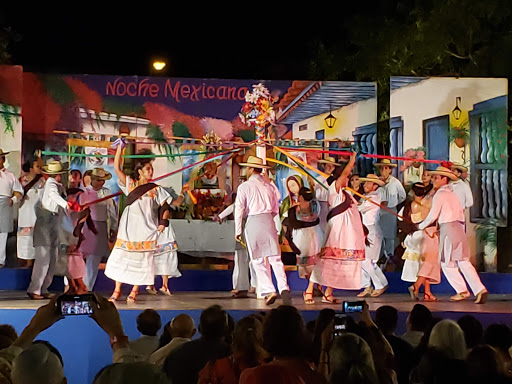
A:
258	111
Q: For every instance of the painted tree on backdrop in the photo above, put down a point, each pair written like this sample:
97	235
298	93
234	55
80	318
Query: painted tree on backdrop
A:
418	38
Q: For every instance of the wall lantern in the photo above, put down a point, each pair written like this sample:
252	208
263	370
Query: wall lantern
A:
456	111
330	120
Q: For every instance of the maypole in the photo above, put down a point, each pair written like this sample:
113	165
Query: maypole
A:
258	112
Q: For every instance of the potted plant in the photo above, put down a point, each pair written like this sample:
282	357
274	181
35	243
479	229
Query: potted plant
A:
460	135
487	234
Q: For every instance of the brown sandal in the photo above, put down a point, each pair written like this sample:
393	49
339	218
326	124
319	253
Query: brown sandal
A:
429	297
330	300
308	298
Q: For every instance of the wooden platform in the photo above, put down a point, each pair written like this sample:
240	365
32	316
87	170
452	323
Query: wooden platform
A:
186	301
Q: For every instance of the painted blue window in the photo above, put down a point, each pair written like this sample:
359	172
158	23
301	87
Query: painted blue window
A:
436	133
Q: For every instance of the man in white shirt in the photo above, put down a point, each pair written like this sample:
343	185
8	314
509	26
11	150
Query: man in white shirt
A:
257	198
46	231
182	329
11	192
461	187
453	244
104	215
371	215
149	323
242	267
392	194
321	193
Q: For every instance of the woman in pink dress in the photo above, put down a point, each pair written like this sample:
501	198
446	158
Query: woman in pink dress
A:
340	260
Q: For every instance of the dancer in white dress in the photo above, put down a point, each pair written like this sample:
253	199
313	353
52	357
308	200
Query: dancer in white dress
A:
302	228
371	220
33	185
131	260
421	265
166	253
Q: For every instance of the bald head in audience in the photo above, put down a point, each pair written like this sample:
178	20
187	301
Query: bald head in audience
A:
183	326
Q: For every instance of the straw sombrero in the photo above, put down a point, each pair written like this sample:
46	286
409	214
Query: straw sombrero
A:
2	153
443	171
460	167
374	179
254	162
53	168
98	173
385	162
328	160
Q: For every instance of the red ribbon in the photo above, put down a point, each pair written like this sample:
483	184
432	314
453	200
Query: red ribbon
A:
347	153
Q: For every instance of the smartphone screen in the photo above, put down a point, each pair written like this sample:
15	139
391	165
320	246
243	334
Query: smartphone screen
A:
353	306
340	324
70	305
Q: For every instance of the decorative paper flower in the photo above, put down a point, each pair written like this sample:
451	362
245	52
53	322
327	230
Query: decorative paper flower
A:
257	112
413	154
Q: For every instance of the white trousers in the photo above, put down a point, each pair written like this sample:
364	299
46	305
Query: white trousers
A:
372	274
454	277
92	263
43	270
3	247
265	285
243	271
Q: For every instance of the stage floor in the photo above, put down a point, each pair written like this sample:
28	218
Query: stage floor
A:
187	301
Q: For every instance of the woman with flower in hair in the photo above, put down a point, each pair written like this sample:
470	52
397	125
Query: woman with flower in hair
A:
302	230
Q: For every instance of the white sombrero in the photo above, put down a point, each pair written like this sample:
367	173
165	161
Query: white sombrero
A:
53	168
374	179
460	167
98	173
254	162
443	171
385	163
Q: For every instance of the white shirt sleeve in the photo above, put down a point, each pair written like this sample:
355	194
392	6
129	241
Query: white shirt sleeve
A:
17	187
228	211
469	195
53	195
435	211
240	202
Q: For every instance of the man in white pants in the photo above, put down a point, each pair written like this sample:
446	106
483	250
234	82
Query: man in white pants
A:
392	194
46	231
371	213
259	201
11	192
244	276
453	244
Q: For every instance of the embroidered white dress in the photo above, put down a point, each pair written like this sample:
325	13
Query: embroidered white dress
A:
131	260
166	253
27	220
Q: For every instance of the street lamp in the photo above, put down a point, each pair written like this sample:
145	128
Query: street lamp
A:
159	65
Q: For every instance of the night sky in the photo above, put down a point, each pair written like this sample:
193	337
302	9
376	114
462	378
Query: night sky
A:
211	45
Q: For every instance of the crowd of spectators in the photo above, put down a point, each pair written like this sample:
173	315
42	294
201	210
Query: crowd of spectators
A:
273	347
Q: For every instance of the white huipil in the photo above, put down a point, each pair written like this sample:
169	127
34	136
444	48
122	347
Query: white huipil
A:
131	260
27	220
166	253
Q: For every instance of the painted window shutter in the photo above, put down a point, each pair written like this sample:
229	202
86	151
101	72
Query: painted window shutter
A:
488	129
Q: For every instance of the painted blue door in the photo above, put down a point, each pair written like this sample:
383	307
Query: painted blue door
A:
436	133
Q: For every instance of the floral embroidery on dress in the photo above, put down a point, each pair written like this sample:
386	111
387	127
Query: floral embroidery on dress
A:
25	231
342	254
140	246
167	247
